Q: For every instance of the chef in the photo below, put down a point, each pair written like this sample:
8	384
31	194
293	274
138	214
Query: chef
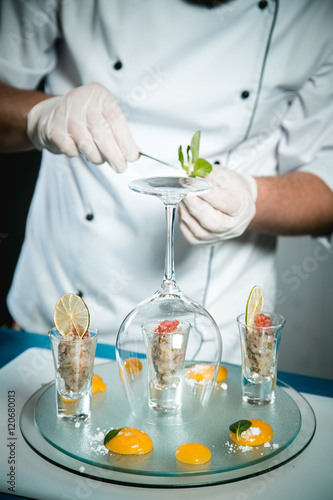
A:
124	76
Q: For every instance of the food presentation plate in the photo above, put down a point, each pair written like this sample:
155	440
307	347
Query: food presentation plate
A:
79	447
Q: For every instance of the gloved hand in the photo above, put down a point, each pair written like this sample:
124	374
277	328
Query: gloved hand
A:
88	121
222	213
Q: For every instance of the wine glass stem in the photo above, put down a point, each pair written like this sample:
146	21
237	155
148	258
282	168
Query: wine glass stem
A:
169	268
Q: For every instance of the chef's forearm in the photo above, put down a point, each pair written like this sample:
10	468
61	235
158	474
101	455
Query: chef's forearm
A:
15	105
297	203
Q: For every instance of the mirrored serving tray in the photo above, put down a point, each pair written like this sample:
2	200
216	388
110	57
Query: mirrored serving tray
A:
79	447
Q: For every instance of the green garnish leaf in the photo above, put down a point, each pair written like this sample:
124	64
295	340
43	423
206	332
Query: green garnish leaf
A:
112	434
188	149
239	427
195	145
181	156
197	167
201	168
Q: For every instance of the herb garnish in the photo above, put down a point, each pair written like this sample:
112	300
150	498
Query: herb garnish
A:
239	427
112	434
197	167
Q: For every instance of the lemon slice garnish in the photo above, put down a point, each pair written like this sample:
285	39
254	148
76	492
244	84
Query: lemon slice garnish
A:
71	315
254	305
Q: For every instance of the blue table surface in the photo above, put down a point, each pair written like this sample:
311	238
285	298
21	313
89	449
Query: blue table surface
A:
13	343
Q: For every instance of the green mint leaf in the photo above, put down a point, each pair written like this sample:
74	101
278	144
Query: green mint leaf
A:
188	149
112	434
189	161
195	145
197	167
181	156
239	427
201	168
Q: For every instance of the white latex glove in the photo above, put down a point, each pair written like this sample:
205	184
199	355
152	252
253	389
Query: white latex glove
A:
88	121
224	212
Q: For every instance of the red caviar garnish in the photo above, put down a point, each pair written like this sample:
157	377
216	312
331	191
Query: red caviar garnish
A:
167	326
263	320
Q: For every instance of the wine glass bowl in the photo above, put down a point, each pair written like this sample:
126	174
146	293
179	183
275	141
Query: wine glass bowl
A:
203	342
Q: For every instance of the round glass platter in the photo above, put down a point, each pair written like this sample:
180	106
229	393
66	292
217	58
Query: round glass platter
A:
79	448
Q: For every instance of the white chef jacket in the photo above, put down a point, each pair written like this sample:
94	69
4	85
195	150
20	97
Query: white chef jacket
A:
254	77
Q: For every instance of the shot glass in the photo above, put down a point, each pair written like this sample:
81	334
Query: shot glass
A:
74	364
260	350
165	359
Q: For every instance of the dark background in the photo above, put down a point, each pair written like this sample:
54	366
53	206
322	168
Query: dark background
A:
19	174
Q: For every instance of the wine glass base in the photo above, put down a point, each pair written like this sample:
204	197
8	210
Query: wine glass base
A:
171	190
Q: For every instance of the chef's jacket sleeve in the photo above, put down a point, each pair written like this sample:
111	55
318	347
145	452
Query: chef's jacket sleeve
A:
28	31
307	143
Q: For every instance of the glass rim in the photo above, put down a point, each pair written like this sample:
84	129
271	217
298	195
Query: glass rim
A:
61	337
158	185
279	325
148	330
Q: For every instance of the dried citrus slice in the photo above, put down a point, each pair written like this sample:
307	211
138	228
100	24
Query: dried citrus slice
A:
254	305
71	315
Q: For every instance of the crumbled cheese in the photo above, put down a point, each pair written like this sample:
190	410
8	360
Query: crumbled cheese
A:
197	368
193	383
97	437
100	449
81	469
251	431
233	447
96	442
245	448
77	424
255	431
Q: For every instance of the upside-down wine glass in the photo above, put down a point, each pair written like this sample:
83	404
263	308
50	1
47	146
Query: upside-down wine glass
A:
154	365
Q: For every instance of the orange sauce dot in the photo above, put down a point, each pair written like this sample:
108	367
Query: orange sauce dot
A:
259	433
222	374
130	441
205	372
133	365
97	384
193	453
